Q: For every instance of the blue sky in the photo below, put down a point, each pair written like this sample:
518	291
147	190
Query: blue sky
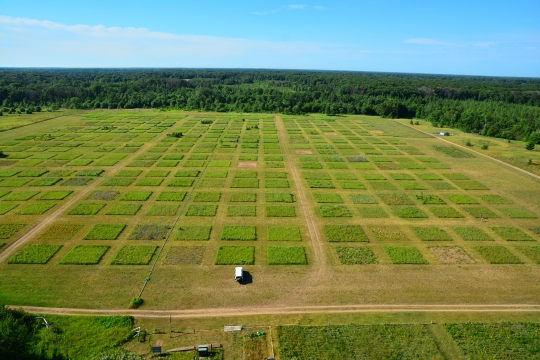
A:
500	38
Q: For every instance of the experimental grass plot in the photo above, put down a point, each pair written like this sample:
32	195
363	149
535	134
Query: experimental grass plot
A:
134	255
404	255
105	232
283	233
286	255
235	255
60	232
356	255
184	255
85	255
497	255
345	233
193	232
35	254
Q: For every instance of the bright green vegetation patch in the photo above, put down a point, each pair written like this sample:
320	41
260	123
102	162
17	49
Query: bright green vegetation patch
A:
362	199
219	163
431	233
61	232
353	255
495	199
123	209
429	199
55	195
404	255
241	210
167	163
233	232
33	173
351	185
171	196
128	173
8	230
149	182
445	212
184	255
402	176
501	340
74	182
373	177
327	198
134	255
201	210
35	254
46	182
193	233
246	174
310	165
105	232
455	176
280	211
357	342
382	185
274	184
334	211
428	176
320	184
396	199
461	199
409	185
453	151
136	195
181	182
284	233
498	255
275	175
141	163
511	233
150	232
243	197
471	233
14	182
187	173
20	195
480	212
515	213
157	173
345	233
235	255
219	174
441	185
9	173
163	210
408	212
279	197
36	209
245	183
207	196
470	185
532	252
85	254
86	209
173	157
118	182
372	212
286	255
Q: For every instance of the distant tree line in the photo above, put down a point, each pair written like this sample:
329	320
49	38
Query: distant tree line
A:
501	107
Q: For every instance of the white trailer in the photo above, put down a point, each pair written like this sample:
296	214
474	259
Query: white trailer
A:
238	274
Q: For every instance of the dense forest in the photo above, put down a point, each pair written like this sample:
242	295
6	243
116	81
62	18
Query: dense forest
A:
493	106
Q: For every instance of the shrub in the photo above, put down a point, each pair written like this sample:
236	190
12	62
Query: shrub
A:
171	196
85	254
136	195
286	255
233	232
243	197
201	210
352	255
134	255
498	255
35	209
105	232
193	232
404	255
284	233
372	212
431	233
35	254
123	209
235	255
334	211
344	233
471	233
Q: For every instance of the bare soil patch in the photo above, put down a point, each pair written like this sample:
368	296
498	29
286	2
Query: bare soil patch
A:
304	152
377	132
451	255
330	133
250	164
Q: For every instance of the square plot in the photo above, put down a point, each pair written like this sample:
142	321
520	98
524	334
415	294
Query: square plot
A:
193	232
345	233
8	230
234	232
445	212
431	233
246	174
134	255
149	182
320	184
128	173
511	233
201	210
356	255
219	163
280	211
86	209
216	174
150	232
408	212
471	233
404	255
497	255
157	173
351	185
451	255
76	182
327	198
85	254
163	210
245	183
241	210
212	183
461	199
14	182
370	212
409	185
171	196
235	255
207	197
36	209
283	233
167	163
275	175
102	195
136	196
286	255
123	209
243	197
396	199
441	185
532	252
35	254
274	183
334	211
184	255
55	195
517	213
20	195
45	182
187	173
181	182
388	233
105	232
279	197
118	182
362	199
429	199
5	208
382	185
471	185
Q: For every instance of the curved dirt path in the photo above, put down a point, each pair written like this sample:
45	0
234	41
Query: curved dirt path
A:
474	151
283	310
11	248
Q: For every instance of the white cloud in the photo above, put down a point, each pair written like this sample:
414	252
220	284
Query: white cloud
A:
296	6
318	7
425	41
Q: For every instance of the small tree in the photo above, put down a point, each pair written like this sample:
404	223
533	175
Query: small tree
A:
485	147
469	143
530	145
